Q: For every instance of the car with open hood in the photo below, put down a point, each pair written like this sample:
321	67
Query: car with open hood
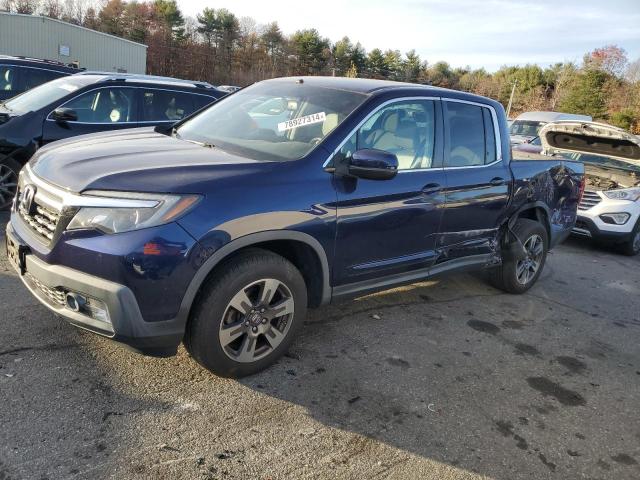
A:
610	208
223	229
528	124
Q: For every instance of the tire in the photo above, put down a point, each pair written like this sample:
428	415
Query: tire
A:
517	273
9	170
632	246
262	331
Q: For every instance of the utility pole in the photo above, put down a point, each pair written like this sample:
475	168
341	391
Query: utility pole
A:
513	91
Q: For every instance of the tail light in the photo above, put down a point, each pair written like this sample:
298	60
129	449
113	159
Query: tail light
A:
583	184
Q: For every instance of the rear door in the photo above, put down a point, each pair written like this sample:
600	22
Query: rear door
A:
98	110
478	181
164	107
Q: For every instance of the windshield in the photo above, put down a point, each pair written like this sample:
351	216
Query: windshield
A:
49	92
272	120
604	161
527	128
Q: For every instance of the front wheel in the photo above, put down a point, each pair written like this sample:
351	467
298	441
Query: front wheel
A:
521	267
632	246
247	314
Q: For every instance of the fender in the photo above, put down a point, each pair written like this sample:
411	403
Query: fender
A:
247	241
529	206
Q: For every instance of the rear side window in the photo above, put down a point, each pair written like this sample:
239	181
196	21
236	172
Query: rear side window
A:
470	134
32	77
166	105
8	78
105	105
201	101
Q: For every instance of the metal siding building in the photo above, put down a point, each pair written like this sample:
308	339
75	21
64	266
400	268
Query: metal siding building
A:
42	37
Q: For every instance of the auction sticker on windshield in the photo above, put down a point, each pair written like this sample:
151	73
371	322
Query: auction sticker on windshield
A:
302	121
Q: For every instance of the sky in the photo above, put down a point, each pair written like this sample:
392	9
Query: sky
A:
477	33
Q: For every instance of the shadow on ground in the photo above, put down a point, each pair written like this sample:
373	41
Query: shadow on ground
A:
445	379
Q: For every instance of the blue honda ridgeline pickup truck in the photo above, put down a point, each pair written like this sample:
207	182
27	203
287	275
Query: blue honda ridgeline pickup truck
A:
223	229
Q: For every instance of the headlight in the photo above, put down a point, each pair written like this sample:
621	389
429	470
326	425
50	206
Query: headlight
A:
631	194
125	211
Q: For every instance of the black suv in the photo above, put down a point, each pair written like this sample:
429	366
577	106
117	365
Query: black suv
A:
89	102
19	74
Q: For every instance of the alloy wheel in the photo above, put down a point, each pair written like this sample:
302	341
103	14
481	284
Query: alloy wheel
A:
256	320
8	185
527	268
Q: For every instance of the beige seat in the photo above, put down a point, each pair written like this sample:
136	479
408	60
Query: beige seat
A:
397	138
330	122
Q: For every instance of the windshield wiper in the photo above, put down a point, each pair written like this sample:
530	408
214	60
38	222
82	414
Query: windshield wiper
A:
174	133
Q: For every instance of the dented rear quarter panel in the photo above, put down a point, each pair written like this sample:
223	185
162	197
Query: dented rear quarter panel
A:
550	184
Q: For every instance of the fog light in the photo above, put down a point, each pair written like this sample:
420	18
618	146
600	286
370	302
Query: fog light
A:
97	310
88	306
75	302
615	218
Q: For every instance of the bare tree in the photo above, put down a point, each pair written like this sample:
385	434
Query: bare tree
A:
26	7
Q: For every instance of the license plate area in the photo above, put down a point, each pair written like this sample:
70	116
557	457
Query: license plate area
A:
16	253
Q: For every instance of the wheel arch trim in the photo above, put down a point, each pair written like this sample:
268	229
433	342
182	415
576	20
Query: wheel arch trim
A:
247	241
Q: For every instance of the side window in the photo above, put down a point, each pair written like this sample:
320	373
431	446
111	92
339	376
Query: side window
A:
32	77
201	101
471	135
406	129
165	105
8	78
105	105
489	137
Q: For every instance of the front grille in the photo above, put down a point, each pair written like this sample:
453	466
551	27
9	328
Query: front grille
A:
42	220
39	207
589	200
55	295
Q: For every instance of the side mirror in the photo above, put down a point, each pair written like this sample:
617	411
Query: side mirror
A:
373	164
64	115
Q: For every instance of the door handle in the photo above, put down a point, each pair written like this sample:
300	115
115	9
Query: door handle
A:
431	188
497	181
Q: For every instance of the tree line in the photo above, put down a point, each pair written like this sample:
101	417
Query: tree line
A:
219	47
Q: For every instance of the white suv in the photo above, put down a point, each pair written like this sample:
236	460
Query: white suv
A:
610	207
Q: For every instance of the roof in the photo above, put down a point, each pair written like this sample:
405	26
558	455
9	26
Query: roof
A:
55	20
360	85
551	116
370	86
41	62
135	77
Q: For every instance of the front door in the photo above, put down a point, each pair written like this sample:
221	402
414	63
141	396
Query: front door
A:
389	227
98	110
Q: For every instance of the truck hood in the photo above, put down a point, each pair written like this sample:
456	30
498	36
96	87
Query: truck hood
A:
135	160
590	138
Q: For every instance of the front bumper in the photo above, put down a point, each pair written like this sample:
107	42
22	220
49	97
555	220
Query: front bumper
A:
123	322
590	224
586	227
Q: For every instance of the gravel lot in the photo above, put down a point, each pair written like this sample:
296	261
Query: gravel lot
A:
447	379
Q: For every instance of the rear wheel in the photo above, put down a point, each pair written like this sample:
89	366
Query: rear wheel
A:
521	267
9	170
247	314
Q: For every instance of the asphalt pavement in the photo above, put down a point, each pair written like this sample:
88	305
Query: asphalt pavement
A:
446	379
